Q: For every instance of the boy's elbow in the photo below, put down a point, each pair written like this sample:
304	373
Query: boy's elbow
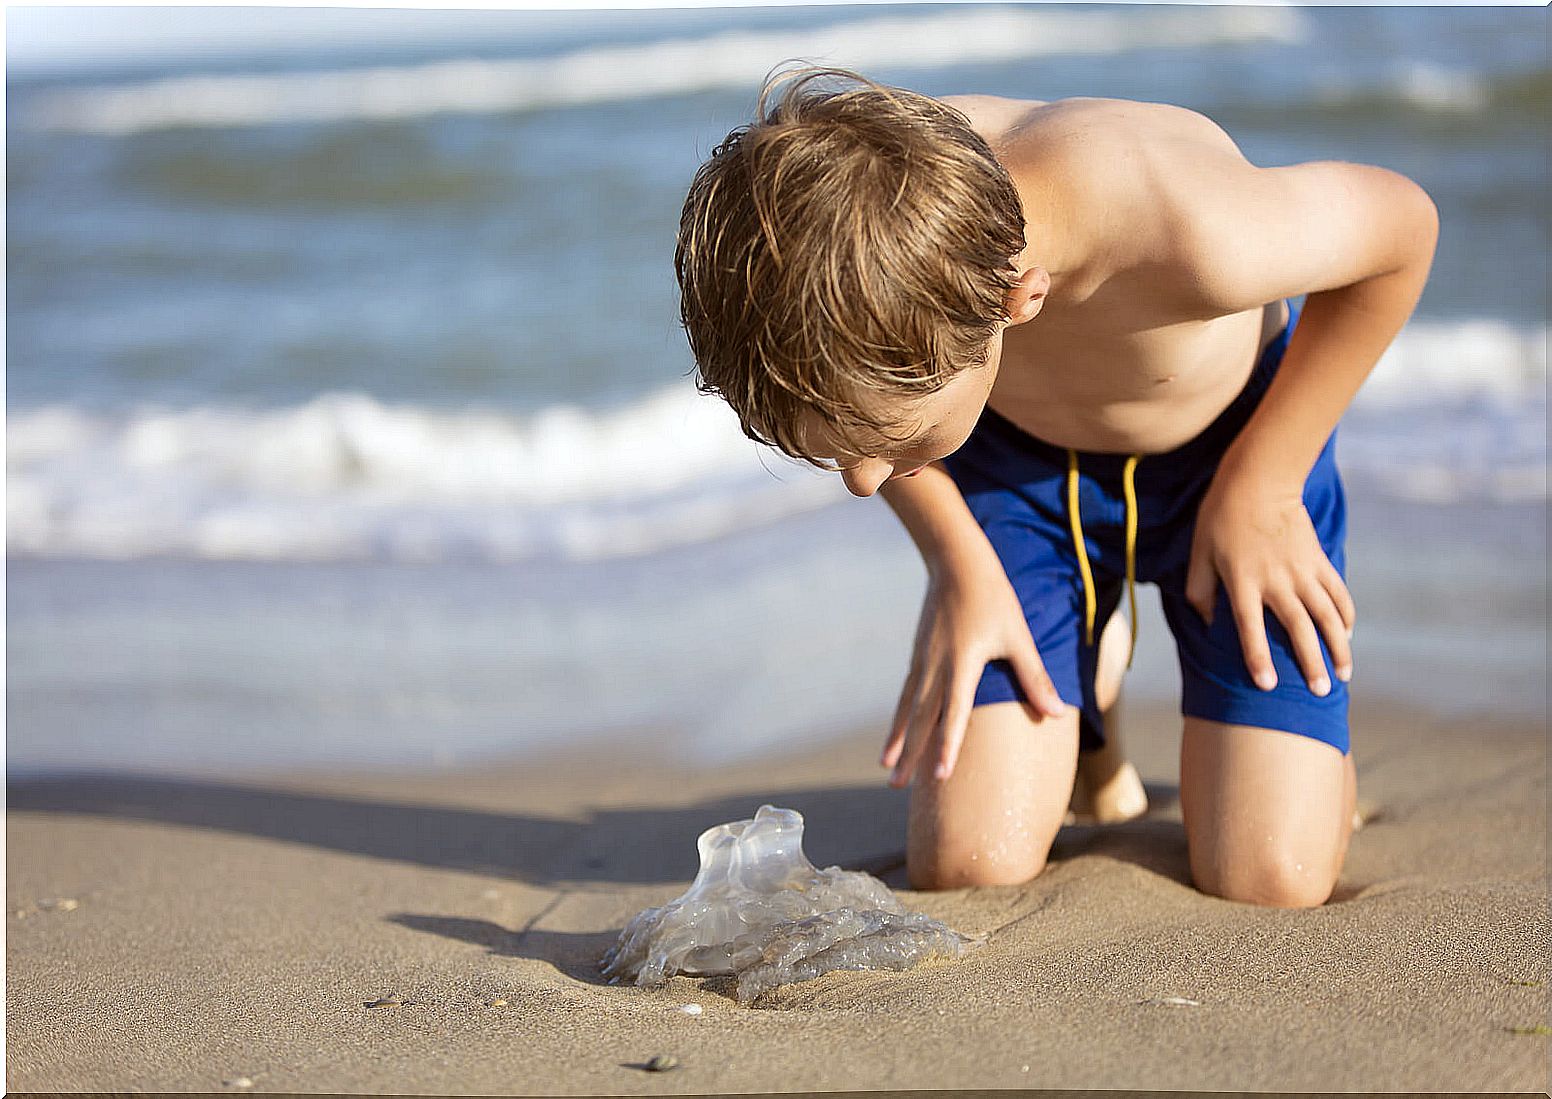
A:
1422	216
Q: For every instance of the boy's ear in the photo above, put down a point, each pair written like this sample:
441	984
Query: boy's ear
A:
1027	295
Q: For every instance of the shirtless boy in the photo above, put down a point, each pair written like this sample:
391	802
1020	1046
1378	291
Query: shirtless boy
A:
1057	338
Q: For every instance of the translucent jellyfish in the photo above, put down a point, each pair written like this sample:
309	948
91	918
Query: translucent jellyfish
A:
758	909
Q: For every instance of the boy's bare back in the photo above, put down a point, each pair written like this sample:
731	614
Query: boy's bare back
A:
1148	330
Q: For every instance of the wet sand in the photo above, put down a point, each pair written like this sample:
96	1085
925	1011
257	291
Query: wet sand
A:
228	936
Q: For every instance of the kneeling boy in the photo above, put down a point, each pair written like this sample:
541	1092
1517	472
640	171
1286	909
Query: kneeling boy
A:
1058	338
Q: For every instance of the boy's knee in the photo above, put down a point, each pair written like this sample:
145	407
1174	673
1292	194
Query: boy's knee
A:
969	869
1271	879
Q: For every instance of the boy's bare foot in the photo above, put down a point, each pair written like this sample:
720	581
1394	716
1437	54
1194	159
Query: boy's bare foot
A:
1108	790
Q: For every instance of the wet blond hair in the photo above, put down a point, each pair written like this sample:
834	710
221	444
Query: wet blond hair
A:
855	240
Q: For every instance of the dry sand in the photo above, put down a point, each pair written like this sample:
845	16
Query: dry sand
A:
224	931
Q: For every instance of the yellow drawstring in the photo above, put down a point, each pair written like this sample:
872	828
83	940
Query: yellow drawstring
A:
1077	544
1129	489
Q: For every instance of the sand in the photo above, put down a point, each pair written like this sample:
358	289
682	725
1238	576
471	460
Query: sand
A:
227	937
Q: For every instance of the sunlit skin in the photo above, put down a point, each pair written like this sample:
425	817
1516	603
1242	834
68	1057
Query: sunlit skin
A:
1157	266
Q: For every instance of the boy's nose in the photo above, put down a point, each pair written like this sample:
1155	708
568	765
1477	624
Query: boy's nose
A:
864	478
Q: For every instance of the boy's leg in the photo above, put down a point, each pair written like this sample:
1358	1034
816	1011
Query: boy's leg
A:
1109	790
1266	778
992	821
1268	813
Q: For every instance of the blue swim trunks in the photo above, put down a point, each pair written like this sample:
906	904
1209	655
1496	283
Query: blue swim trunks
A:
1018	487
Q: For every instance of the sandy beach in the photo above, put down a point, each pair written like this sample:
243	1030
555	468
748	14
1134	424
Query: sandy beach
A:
171	934
387	613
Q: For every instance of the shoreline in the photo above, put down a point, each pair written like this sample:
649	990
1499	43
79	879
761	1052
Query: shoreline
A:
238	929
134	664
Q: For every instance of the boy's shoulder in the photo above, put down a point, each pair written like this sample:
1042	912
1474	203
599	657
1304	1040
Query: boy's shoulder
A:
1083	131
1159	199
1104	180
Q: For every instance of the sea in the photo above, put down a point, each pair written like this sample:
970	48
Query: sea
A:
349	423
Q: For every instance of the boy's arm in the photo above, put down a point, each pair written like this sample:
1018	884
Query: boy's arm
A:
935	514
971	615
1359	241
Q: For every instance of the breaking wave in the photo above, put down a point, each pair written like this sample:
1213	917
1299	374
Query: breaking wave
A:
346	477
1453	411
734	60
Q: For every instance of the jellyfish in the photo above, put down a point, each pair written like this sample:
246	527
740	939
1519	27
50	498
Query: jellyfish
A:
758	910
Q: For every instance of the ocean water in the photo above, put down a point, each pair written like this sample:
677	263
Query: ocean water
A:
349	421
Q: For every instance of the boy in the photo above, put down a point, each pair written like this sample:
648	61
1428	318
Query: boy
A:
1057	338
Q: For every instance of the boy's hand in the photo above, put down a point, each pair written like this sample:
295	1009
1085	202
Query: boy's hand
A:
971	615
1263	547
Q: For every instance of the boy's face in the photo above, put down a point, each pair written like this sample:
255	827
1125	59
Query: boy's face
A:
938	425
940	422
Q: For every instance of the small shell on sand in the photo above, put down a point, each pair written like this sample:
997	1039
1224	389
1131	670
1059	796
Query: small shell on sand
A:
1171	1001
662	1063
389	1001
239	1082
498	1003
59	904
689	1009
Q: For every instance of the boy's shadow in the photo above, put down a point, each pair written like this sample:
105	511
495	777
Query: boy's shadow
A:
855	827
859	827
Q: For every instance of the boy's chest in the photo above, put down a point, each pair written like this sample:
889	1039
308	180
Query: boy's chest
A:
1077	383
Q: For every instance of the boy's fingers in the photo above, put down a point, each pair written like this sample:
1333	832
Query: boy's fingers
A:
1329	621
1035	680
892	748
902	718
928	706
1336	587
956	718
897	730
1251	623
1306	643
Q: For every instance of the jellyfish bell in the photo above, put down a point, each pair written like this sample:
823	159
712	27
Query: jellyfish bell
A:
760	911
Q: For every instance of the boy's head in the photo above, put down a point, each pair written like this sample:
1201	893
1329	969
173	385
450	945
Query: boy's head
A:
842	259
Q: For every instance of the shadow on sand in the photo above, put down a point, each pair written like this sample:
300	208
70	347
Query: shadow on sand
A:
857	827
1155	841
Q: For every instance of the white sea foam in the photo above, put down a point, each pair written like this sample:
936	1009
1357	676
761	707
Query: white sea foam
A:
1421	84
1453	411
1433	362
674	66
345	476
